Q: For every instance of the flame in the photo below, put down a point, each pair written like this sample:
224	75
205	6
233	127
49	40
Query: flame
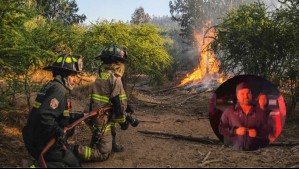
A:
208	64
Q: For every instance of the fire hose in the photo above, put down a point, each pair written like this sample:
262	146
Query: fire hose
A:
41	160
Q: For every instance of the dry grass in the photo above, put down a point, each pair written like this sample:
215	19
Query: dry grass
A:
41	76
11	131
84	86
86	79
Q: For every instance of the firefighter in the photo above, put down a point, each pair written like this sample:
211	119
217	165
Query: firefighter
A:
50	114
107	91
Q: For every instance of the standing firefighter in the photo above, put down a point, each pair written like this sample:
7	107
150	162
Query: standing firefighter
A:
50	114
107	91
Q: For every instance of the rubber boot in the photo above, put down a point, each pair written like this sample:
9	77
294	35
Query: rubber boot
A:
116	147
28	163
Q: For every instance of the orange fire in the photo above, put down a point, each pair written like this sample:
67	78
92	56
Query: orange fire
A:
208	64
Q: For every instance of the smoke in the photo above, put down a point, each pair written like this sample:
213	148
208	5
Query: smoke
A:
271	3
208	83
187	57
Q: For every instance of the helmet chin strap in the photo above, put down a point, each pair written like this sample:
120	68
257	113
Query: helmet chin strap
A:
67	83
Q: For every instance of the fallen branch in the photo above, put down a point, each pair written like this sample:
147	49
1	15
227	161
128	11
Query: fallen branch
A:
171	97
206	157
148	121
188	99
146	103
208	162
144	90
203	118
154	103
295	166
294	149
161	137
170	104
205	140
165	90
192	97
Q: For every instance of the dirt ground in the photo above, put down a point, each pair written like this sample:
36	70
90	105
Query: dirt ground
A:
174	111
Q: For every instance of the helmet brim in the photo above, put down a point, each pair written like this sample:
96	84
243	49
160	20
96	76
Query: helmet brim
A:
110	58
51	68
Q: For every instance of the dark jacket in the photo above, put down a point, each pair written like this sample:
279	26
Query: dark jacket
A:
48	117
270	120
233	118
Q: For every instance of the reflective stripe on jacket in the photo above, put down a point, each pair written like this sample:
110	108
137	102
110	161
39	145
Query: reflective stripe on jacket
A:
107	86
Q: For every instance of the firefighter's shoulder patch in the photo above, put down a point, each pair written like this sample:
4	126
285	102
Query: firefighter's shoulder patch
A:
54	103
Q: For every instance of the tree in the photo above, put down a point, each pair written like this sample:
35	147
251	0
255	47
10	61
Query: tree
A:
244	36
252	40
27	43
65	10
288	15
17	52
191	14
148	52
54	38
140	17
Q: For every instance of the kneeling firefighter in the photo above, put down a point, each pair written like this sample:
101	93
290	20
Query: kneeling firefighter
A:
51	113
107	91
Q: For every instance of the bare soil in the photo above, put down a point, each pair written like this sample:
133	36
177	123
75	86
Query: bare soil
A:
175	111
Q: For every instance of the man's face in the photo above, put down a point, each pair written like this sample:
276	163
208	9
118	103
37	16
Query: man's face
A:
72	80
244	96
263	100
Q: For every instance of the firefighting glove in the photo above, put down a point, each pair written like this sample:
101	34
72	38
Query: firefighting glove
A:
59	132
60	135
124	126
116	105
75	116
134	122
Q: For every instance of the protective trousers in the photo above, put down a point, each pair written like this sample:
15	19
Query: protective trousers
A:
61	157
115	147
98	153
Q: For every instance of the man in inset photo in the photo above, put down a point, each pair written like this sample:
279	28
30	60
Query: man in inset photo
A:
241	125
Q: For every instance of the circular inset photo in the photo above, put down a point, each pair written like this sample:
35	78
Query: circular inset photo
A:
247	112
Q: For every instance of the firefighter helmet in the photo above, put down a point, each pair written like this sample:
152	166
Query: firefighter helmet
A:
65	63
112	54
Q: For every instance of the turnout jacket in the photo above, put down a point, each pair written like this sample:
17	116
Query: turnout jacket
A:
48	117
108	87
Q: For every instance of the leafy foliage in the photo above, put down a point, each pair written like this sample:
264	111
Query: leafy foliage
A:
252	40
18	54
65	11
146	49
